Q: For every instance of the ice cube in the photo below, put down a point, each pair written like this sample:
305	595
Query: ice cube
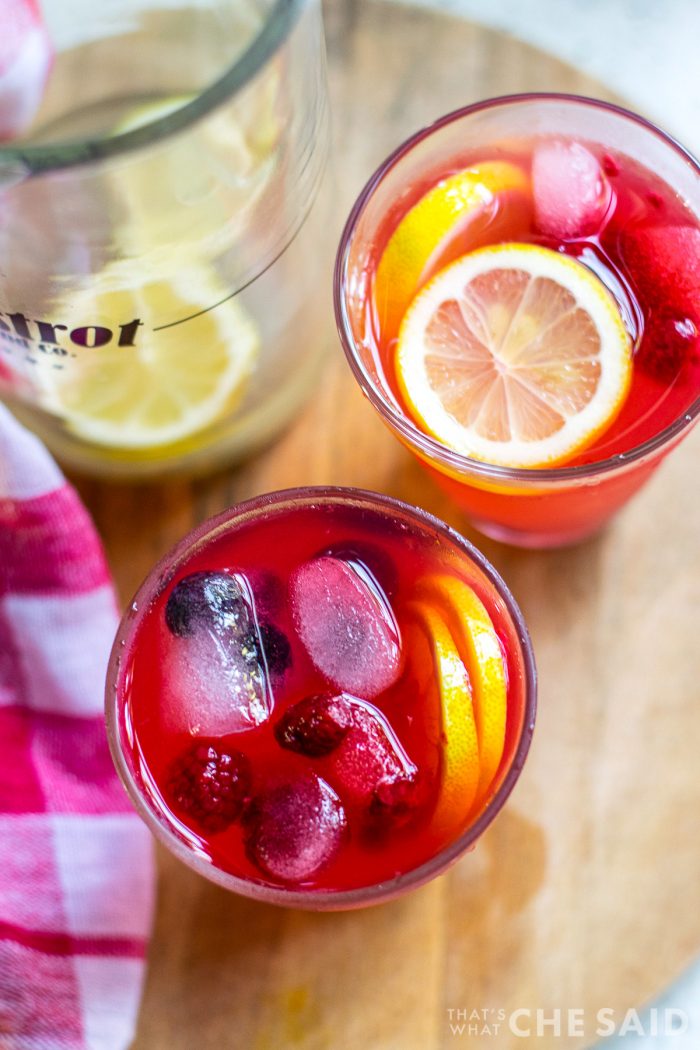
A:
296	829
212	685
213	671
664	262
570	189
347	626
218	601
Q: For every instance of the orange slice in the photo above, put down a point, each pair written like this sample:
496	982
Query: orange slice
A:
480	650
466	204
460	748
515	355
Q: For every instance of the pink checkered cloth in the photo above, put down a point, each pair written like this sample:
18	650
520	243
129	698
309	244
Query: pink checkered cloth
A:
76	877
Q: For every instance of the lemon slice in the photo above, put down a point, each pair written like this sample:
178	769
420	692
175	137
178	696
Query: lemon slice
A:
149	112
170	383
194	195
493	192
479	648
515	355
460	750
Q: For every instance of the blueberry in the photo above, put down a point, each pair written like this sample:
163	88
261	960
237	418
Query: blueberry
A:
276	647
207	599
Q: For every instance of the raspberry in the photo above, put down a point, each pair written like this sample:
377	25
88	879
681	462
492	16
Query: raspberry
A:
664	264
314	726
210	785
394	802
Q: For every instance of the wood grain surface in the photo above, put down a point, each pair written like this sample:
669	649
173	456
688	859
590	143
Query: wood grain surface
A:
583	895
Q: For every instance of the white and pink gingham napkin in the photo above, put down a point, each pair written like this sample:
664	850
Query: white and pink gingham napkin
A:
76	876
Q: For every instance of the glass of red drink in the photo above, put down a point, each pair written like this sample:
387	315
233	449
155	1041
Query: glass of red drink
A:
321	698
517	291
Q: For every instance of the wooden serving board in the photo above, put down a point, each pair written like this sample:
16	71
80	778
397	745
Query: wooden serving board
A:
583	895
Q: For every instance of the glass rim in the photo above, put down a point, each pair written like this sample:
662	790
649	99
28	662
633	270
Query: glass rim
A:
322	900
27	160
429	447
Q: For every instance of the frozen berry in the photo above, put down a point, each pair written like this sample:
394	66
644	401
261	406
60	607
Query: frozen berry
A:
366	760
670	342
275	648
296	829
207	599
664	263
210	785
315	726
395	802
370	758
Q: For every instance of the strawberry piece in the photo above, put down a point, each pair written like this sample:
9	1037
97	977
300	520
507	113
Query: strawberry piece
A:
26	55
210	785
296	829
346	626
570	189
664	262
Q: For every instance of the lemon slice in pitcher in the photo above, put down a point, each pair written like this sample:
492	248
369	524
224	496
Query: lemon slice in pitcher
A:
196	192
187	364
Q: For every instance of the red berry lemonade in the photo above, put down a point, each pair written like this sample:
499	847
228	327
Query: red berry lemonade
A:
321	698
593	185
